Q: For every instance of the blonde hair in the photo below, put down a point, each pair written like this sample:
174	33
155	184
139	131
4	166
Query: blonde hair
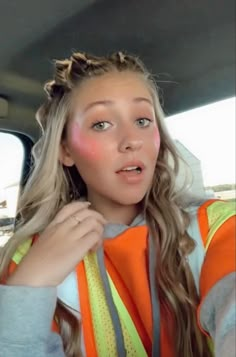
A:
45	194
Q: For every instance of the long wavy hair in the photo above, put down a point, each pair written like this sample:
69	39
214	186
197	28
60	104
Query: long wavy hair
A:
51	186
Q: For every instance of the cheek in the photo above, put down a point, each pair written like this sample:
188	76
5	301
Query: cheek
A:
157	140
83	146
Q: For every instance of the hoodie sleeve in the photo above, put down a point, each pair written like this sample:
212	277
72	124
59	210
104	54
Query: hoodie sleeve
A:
218	316
217	310
26	316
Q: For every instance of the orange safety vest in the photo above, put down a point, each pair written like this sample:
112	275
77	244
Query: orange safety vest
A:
126	261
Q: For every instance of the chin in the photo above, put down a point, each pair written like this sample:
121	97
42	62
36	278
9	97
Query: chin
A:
129	199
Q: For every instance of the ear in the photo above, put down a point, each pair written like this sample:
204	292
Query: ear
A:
64	155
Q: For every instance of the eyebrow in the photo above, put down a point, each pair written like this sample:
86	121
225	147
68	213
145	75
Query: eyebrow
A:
143	99
98	102
111	102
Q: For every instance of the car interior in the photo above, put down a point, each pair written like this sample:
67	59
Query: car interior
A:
188	45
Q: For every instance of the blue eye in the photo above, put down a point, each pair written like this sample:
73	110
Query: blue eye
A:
143	122
101	125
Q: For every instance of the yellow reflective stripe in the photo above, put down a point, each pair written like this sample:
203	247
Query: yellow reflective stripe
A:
22	250
211	346
218	213
130	333
102	323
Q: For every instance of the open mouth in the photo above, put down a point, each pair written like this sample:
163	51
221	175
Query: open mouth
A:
131	173
132	169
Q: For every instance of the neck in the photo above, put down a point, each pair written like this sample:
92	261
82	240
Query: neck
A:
114	212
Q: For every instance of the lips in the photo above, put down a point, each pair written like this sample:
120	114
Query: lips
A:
139	165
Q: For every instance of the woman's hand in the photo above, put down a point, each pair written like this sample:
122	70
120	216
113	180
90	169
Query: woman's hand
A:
75	231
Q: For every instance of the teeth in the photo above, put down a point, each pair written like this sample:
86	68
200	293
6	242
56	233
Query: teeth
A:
130	168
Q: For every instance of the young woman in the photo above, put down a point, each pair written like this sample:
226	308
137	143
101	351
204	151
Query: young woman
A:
108	258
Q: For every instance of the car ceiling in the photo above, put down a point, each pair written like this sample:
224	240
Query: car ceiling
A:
189	45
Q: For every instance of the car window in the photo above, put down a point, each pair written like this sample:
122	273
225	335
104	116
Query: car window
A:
11	164
205	137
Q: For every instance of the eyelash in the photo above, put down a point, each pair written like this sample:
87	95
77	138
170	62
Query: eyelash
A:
104	121
97	123
147	119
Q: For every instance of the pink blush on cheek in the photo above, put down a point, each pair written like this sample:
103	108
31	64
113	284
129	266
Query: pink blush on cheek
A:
157	138
83	145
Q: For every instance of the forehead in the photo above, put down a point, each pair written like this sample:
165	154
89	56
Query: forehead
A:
115	86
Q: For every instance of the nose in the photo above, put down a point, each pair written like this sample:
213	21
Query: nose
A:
130	144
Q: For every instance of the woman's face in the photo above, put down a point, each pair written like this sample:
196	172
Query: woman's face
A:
113	138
